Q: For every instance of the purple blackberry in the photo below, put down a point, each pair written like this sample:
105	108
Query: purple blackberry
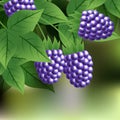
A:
26	2
78	68
16	5
10	4
9	12
23	7
31	2
28	7
49	73
14	1
33	7
95	26
6	7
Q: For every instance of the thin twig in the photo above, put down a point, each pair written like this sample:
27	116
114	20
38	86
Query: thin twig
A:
3	25
41	31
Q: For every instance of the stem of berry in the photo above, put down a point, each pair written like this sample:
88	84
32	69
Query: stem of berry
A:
3	25
41	31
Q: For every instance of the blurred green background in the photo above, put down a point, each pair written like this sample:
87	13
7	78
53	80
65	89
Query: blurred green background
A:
98	101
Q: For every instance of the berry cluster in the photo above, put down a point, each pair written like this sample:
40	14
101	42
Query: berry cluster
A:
49	73
78	68
95	26
13	6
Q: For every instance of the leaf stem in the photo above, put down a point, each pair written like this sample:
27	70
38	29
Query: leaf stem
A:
3	25
66	41
41	31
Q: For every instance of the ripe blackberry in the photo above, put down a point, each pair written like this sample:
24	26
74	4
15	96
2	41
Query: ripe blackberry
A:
16	5
95	26
49	73
78	68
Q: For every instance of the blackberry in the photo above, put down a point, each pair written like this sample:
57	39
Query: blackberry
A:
78	68
15	5
49	73
95	26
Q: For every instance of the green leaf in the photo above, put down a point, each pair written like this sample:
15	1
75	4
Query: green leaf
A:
74	21
74	43
7	46
49	45
56	44
1	69
18	61
95	3
24	21
14	77
51	13
3	85
102	9
80	5
2	2
65	29
32	79
114	36
3	18
113	6
74	5
31	48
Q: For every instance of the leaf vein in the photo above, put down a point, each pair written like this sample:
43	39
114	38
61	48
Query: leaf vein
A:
116	6
13	78
18	21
